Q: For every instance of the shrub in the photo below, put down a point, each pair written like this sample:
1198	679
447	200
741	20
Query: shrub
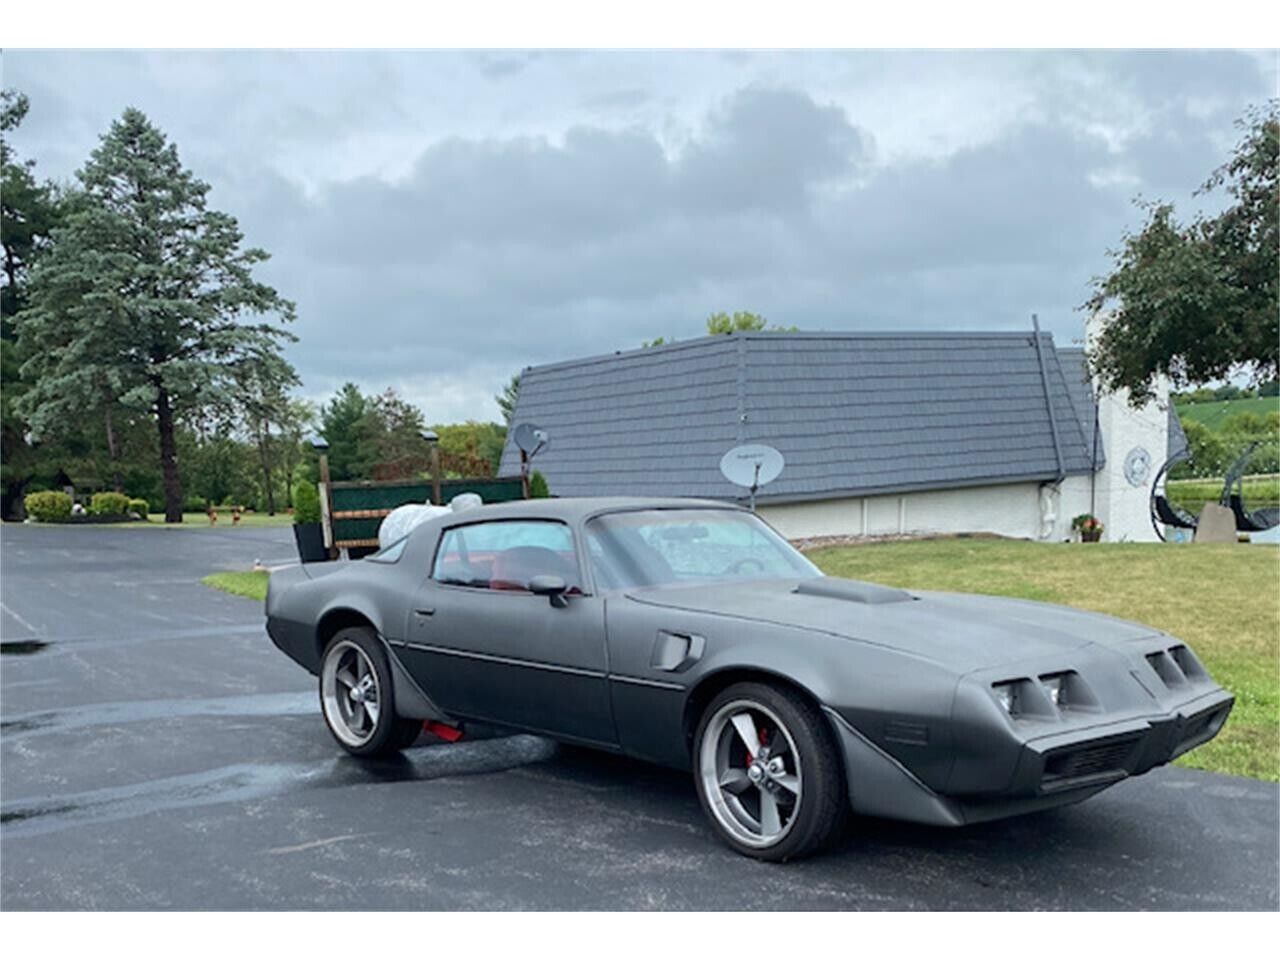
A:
109	504
139	506
538	489
49	506
306	502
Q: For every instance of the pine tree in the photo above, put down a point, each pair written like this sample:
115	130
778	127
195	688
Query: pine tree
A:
506	400
29	209
143	298
340	421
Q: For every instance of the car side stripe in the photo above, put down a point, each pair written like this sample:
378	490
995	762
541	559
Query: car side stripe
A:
510	661
641	681
534	665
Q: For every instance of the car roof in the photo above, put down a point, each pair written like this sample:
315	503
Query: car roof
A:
575	509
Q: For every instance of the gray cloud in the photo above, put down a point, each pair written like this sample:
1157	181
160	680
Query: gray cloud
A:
617	100
436	244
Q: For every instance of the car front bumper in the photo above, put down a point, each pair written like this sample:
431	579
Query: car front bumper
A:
1048	770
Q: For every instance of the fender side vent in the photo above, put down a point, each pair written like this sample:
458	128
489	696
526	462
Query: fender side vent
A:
906	731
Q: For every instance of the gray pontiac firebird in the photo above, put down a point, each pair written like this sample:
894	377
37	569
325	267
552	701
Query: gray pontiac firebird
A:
690	634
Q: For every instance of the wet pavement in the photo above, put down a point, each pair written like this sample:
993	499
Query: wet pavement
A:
156	752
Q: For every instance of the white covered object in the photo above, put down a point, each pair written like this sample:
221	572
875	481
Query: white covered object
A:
400	521
465	501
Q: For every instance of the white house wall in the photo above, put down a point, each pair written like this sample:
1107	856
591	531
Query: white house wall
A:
1133	436
1129	436
1009	510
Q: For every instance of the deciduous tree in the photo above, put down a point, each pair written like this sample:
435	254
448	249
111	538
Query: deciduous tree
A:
470	449
390	438
1198	302
260	399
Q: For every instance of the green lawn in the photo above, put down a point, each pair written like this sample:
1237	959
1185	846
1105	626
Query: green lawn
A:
249	583
1213	413
195	520
1192	495
1223	599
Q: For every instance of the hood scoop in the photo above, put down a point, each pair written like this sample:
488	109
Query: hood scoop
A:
856	591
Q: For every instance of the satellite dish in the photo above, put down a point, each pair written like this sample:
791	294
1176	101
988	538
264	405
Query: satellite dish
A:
752	465
529	438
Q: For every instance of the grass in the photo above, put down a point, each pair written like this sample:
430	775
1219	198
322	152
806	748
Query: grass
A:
1214	412
1192	495
249	583
201	520
1223	599
190	521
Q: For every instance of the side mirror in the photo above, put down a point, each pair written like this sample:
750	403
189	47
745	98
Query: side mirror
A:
551	587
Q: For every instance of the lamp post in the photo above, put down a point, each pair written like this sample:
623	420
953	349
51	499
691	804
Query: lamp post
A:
321	447
433	442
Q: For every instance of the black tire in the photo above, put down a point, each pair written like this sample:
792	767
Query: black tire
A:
389	733
821	810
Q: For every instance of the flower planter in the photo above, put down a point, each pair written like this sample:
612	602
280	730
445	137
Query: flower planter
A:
1090	536
310	540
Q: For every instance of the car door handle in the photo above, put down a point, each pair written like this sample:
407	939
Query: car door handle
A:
425	611
676	652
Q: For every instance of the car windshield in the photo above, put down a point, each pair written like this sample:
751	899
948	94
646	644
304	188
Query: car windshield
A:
648	548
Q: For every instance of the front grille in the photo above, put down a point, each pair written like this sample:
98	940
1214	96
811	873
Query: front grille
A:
1076	762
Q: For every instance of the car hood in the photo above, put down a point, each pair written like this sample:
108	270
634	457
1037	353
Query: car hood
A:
964	632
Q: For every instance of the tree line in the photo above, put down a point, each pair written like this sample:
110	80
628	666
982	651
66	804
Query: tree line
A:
140	352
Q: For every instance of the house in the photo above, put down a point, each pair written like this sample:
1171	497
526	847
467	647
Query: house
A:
882	433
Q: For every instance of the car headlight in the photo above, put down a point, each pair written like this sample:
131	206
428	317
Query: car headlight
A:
1006	695
1053	686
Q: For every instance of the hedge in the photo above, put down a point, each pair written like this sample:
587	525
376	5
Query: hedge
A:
108	504
306	502
49	506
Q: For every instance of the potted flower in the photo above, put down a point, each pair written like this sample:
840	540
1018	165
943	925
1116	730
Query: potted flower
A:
308	531
1088	526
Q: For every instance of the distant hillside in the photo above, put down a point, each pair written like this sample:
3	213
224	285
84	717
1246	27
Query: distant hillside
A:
1213	413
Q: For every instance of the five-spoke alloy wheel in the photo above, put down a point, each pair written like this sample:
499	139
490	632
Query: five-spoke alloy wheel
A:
767	773
356	695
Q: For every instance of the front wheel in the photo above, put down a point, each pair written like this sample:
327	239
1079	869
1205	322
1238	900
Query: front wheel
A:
356	696
767	772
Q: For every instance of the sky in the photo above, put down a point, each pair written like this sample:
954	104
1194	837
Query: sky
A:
444	219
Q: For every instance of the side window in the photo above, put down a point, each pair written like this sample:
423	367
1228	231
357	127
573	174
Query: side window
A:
391	554
506	555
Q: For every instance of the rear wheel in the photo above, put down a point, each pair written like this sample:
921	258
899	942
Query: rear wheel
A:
356	697
767	772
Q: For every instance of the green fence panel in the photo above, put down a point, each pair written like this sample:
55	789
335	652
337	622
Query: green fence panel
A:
380	495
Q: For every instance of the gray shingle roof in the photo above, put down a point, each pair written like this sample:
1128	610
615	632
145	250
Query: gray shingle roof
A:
1080	387
852	413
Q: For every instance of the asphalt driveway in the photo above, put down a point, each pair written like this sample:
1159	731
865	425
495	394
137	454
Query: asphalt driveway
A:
156	752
